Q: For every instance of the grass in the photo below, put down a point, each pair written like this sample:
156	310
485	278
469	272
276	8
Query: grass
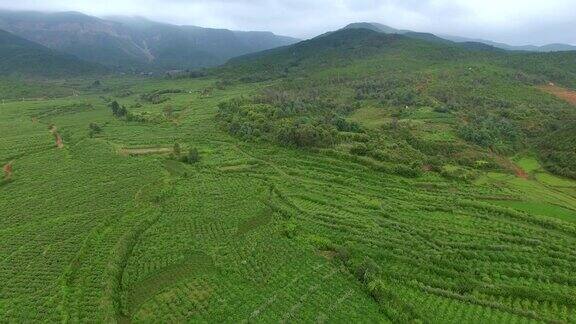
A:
542	209
88	234
371	117
528	164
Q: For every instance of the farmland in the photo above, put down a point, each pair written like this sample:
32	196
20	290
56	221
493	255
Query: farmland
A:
112	226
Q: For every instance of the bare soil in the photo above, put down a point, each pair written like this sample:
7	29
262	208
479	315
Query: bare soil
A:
562	93
7	171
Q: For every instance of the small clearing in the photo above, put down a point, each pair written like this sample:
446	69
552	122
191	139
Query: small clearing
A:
562	93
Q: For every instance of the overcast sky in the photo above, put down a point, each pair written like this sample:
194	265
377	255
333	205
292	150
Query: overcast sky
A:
516	22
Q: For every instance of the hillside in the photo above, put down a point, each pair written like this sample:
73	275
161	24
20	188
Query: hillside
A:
129	43
486	100
344	47
24	58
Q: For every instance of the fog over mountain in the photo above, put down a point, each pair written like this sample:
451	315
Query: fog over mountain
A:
515	22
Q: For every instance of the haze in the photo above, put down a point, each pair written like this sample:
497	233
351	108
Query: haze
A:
517	22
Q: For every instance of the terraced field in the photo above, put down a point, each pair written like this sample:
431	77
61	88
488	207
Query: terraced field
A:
255	232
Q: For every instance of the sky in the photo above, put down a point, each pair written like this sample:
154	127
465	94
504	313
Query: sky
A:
516	22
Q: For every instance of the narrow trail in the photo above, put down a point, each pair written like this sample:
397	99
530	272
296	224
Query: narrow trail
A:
8	170
518	171
57	137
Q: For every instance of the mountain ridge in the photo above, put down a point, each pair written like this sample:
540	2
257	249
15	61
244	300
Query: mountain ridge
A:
19	56
556	47
136	43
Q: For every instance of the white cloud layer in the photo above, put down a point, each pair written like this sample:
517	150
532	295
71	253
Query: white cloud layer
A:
513	21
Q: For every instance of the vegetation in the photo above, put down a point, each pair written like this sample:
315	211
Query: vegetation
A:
193	156
20	57
373	179
439	104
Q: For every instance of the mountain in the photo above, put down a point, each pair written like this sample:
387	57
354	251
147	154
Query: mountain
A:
340	48
348	45
377	28
133	43
86	37
469	42
408	33
19	56
526	48
174	47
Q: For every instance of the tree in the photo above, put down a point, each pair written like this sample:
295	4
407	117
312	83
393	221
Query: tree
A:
94	129
193	156
115	106
117	110
176	150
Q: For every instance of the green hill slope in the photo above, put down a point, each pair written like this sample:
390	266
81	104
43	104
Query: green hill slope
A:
21	57
446	103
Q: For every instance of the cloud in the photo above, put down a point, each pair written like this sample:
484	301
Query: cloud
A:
512	21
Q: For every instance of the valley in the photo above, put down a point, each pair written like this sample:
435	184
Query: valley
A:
359	176
259	231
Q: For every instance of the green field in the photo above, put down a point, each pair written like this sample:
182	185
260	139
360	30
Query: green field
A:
111	227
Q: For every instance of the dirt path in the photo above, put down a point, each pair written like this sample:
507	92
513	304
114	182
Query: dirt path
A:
562	93
506	163
520	173
7	171
57	137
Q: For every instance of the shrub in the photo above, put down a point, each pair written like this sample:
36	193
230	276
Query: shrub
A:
193	156
177	150
367	270
94	129
290	229
360	149
117	110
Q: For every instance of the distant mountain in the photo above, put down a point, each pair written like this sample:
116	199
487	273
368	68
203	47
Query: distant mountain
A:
86	37
19	56
470	45
389	30
527	48
468	42
134	43
377	28
173	47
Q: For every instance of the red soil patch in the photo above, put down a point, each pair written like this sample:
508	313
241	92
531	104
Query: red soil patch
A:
506	163
59	142
520	173
562	93
8	171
